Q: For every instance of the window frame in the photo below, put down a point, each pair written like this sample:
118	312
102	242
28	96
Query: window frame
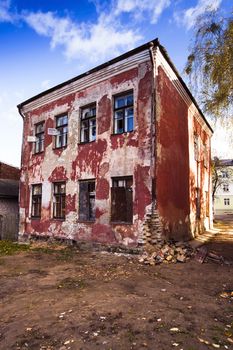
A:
41	137
89	195
196	145
206	156
124	108
61	134
37	202
226	201
127	182
82	119
225	174
225	187
61	196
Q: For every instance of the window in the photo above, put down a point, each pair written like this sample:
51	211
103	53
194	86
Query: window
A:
207	203
59	198
225	187
198	203
39	133
122	199
62	128
196	147
123	113
36	201
224	174
205	151
88	123
87	200
226	201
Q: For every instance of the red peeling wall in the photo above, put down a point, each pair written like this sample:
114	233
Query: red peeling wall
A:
172	167
110	155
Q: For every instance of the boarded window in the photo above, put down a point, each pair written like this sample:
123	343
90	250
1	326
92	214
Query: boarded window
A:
87	200
36	200
59	200
122	199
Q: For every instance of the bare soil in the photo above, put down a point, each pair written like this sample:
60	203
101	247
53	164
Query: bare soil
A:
56	297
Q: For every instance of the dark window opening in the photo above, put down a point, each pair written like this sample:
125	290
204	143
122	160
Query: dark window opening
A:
36	201
205	156
39	133
87	200
123	113
226	201
196	148
88	123
225	187
198	203
62	128
59	200
122	199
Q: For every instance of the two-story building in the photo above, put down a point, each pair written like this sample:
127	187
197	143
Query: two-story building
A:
116	152
223	201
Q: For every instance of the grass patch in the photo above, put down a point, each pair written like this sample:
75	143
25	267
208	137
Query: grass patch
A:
71	283
66	254
9	248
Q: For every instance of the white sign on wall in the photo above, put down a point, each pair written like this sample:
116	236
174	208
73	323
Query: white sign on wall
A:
53	132
31	139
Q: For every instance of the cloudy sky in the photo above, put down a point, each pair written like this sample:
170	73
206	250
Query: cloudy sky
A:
44	43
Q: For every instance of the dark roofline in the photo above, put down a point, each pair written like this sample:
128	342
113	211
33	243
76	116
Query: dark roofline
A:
10	165
147	45
93	70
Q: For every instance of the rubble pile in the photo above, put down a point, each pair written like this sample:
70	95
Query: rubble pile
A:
167	252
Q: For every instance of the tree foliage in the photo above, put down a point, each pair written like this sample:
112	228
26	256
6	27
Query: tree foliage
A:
210	63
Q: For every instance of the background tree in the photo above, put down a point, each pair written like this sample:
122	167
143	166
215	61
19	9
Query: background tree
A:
210	63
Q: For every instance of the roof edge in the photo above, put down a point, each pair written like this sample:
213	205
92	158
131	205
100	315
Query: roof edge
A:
125	55
155	42
168	59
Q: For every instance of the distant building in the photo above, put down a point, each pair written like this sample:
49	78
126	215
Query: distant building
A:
9	207
118	155
223	202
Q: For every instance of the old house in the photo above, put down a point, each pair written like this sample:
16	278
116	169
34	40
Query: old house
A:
9	208
223	201
117	155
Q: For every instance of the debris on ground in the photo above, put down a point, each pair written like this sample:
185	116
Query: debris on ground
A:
167	252
227	294
203	255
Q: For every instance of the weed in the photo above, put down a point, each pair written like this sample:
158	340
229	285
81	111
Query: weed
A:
71	283
9	248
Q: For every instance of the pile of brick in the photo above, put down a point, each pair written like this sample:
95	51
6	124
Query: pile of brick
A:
166	252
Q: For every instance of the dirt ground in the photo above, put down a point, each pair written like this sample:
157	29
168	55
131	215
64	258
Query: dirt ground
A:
53	297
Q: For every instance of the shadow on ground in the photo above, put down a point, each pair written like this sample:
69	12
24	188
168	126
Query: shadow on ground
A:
222	241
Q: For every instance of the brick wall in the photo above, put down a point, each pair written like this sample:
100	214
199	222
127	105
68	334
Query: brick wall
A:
9	172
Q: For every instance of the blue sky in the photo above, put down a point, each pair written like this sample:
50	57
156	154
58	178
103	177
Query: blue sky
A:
44	43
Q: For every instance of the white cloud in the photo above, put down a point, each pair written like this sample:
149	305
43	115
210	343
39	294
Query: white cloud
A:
188	17
5	14
151	9
95	42
11	137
